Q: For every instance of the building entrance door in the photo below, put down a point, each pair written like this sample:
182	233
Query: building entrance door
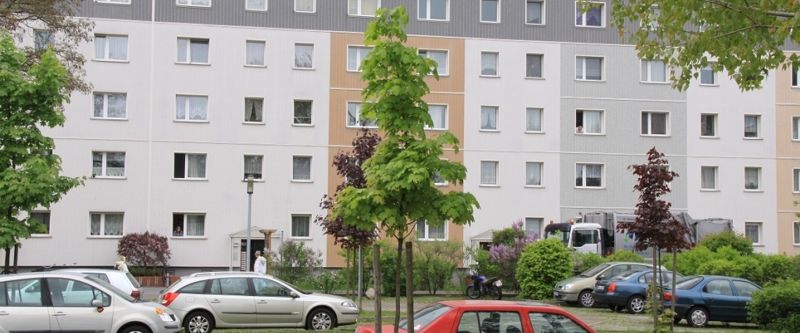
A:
256	245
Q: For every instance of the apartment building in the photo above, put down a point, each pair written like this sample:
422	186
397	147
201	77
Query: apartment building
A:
550	106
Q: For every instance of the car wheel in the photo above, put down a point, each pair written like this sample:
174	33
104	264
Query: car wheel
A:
198	322
586	299
135	329
321	320
697	317
473	293
636	304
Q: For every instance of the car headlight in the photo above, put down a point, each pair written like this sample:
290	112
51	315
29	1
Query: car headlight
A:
161	313
568	286
348	304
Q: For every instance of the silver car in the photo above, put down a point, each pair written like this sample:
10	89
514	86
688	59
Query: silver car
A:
251	300
122	280
68	301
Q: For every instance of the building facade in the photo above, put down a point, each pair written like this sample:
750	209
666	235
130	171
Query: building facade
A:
550	105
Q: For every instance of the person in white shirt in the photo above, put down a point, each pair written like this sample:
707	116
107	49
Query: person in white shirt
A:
260	266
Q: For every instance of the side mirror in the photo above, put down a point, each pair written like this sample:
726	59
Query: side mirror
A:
293	294
97	304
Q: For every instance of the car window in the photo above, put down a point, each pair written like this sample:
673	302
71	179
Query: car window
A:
554	323
594	270
744	288
101	276
71	293
194	288
267	287
133	280
2	294
490	322
583	237
113	289
230	286
718	287
646	278
689	282
427	315
26	292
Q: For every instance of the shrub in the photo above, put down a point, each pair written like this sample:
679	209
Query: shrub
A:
796	267
688	262
625	255
434	264
508	236
749	267
542	265
789	324
719	267
388	265
584	261
505	252
775	267
328	281
146	250
740	243
775	304
295	261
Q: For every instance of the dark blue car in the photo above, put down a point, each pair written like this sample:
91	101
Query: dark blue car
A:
704	298
628	290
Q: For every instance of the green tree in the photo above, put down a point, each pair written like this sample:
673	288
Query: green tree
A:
541	266
31	96
400	175
744	38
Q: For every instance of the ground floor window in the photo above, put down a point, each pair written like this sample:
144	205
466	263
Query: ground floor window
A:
188	224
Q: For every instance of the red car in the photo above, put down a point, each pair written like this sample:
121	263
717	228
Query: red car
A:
468	316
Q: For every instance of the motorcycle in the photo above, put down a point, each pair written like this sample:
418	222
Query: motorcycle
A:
482	286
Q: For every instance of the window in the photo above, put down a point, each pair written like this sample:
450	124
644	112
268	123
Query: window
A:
253	110
489	63
110	47
752	126
255	52
300	226
708	177
589	68
744	289
655	123
796	233
199	3
433	10
552	322
305	6
197	288
533	120
438	114
189	166
588	175
43	39
363	7
108	164
304	56
491	322
110	105
269	288
188	224
354	118
73	294
192	51
252	166
795	128
593	17
489	118
533	226
440	57
490	11
752	230
752	178
654	71
651	21
708	125
533	66
106	224
796	187
534	12
795	71
230	286
302	112
255	5
708	76
589	122
29	291
356	56
191	108
301	168
489	172
438	180
425	231
533	173
44	219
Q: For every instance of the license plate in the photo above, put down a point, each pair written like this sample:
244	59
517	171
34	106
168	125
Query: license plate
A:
600	288
556	294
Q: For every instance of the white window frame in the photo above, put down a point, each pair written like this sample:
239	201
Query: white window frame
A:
313	6
648	76
190	3
263	54
708	69
496	174
428	11
652	25
360	10
291	226
796	180
583	66
188	55
266	7
541	174
602	123
186	166
796	238
544	4
106	56
359	57
310	169
447	60
102	233
541	64
104	165
541	225
760	229
427	233
105	105
446	118
480	10
244	167
294	115
358	123
496	64
759	119
583	175
444	182
716	178
795	77
541	120
186	106
246	111
716	125
49	222
794	128
294	59
759	188
496	128
583	15
667	129
185	216
114	2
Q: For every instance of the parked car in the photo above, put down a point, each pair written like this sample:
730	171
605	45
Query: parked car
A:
628	290
579	288
59	301
473	316
705	298
122	280
251	300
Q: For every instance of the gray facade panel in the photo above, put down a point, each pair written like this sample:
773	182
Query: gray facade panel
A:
138	10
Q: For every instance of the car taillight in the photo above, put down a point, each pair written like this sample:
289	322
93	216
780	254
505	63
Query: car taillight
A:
667	296
168	298
136	294
612	287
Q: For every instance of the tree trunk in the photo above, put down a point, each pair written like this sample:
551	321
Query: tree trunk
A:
409	288
16	256
653	289
8	260
376	271
398	272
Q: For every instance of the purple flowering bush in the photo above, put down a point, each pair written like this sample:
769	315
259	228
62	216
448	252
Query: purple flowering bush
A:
501	258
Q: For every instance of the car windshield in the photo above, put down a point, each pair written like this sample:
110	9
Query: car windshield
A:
292	286
426	316
111	288
688	282
593	271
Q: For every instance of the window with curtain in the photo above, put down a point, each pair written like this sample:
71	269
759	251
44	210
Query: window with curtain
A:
489	63
534	12
301	168
533	227
253	110
533	120
490	10
189	166
255	52
708	175
304	56
302	112
252	166
796	233
108	164
44	219
363	7
301	226
489	118
654	71
433	9
589	122
202	3
111	47
796	187
110	105
305	6
752	125
106	224
489	172
354	118
438	114
708	76
533	65
588	175
593	17
589	68
752	178
256	5
752	230
188	224
193	50
533	173
654	123
191	108
795	71
795	128
356	56
708	125
425	231
440	57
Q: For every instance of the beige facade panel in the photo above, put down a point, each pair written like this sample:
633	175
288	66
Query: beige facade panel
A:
786	243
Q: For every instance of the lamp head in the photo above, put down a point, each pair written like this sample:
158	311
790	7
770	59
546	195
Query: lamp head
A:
250	184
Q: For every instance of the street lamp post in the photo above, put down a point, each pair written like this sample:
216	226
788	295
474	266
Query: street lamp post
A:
249	214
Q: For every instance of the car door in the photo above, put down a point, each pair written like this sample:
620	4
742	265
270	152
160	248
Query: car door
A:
744	294
232	301
22	306
490	322
72	308
586	241
718	297
554	322
274	305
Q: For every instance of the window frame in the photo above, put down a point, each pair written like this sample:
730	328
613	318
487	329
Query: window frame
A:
359	59
358	124
428	12
294	113
541	66
541	174
796	233
185	215
360	10
447	60
189	3
245	121
102	233
496	64
759	123
188	55
710	69
603	15
105	106
541	120
427	233
498	11
795	79
310	169
602	122
313	5
543	16
106	57
186	109
48	225
104	165
716	178
794	128
496	174
716	126
186	166
796	180
446	117
263	54
759	188
649	75
496	109
603	180
308	226
266	7
760	230
294	60
244	167
583	76
650	113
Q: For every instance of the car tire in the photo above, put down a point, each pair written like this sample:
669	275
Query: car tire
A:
636	304
320	319
198	322
697	316
135	329
496	293
473	293
586	299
